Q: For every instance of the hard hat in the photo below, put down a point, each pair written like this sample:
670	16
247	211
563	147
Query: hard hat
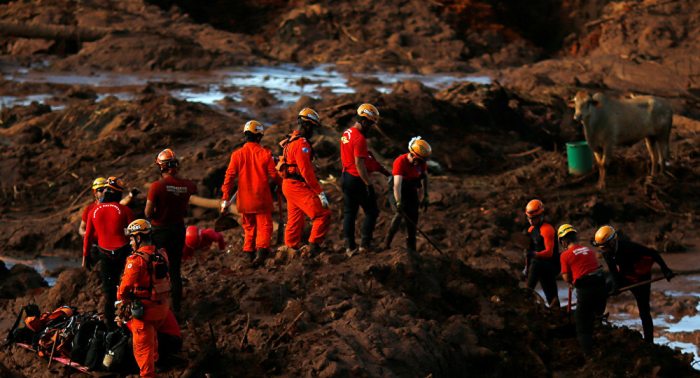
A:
604	236
565	229
534	207
368	111
115	183
308	114
99	182
254	127
420	148
193	237
167	159
139	226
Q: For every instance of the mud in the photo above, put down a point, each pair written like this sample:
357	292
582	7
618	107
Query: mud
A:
497	144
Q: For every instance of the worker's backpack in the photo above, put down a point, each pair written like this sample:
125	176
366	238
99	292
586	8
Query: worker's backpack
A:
158	268
282	163
96	350
82	333
119	356
20	333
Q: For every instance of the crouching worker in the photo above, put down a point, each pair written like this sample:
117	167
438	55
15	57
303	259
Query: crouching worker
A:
197	240
146	285
580	268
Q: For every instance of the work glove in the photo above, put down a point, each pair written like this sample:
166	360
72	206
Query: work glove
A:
370	190
224	206
524	276
425	203
134	192
324	200
87	262
399	207
530	254
668	274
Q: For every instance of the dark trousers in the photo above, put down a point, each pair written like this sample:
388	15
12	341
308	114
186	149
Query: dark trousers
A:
172	238
544	272
411	207
355	196
592	297
643	296
110	273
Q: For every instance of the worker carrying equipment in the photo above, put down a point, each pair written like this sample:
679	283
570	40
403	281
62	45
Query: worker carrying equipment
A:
630	263
358	191
146	279
253	166
410	174
580	268
197	240
168	199
543	253
300	187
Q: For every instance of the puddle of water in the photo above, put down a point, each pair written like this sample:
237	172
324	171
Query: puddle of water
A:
42	265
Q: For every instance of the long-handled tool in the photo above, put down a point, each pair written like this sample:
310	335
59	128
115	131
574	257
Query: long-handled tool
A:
568	303
421	232
280	226
638	284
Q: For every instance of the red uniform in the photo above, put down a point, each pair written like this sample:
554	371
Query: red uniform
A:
353	144
548	242
144	330
106	223
578	261
86	212
170	197
302	195
410	173
252	164
208	238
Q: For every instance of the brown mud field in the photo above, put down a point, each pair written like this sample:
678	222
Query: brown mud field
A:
497	145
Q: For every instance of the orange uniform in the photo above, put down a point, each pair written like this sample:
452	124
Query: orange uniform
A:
252	164
144	330
302	190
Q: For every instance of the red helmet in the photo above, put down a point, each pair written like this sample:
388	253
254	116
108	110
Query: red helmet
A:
193	237
167	159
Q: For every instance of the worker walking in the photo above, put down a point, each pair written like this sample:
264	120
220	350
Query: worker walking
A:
410	174
106	225
580	268
146	286
197	240
253	165
300	187
167	202
630	263
358	191
543	253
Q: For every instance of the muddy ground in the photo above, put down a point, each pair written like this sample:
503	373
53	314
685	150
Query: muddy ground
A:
389	313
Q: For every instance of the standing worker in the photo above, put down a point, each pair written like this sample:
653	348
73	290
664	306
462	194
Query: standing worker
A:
106	224
98	187
146	285
165	207
252	164
300	186
201	240
580	268
630	263
543	253
410	173
358	190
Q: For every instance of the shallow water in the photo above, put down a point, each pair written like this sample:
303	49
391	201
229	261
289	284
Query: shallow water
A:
43	264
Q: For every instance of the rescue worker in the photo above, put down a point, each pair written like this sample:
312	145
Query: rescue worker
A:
201	240
165	207
410	173
630	263
98	187
358	191
543	253
580	268
252	164
138	284
106	225
300	186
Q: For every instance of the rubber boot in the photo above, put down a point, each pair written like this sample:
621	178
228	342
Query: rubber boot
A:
314	249
248	257
393	229
411	244
365	244
260	256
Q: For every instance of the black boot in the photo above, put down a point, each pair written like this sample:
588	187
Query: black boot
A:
365	244
248	257
314	249
393	228
411	244
260	256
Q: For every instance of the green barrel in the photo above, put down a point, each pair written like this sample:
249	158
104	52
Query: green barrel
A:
580	158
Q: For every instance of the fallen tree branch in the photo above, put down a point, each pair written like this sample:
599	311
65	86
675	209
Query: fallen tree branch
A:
55	32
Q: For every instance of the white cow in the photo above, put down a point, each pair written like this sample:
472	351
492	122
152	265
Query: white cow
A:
608	122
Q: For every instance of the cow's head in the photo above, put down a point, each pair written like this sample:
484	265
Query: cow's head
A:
583	102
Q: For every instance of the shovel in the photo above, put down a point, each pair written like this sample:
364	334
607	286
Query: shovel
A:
638	284
568	303
226	221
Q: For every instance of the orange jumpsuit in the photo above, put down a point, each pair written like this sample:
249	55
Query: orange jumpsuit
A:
302	192
144	330
252	164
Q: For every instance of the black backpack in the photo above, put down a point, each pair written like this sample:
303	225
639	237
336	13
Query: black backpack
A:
20	333
96	350
119	356
83	333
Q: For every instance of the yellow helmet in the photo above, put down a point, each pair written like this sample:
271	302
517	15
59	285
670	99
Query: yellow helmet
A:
565	229
368	111
99	182
139	226
420	148
254	127
604	236
310	115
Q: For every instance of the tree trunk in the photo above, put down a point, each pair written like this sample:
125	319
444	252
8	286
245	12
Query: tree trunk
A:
55	32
